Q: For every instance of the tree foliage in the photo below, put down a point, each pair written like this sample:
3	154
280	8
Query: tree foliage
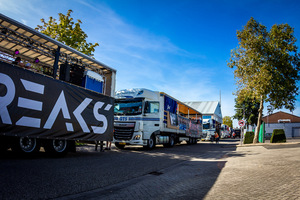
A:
65	30
266	66
249	108
227	121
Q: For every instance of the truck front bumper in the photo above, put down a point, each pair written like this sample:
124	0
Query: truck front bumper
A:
137	139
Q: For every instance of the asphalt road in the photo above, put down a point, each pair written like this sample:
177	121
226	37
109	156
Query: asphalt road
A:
182	172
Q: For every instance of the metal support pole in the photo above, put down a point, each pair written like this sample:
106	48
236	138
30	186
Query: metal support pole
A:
55	65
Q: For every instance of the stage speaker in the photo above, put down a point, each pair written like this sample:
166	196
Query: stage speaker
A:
76	74
64	72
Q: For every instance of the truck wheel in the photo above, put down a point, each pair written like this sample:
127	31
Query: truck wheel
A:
195	140
119	146
56	147
26	145
189	141
171	141
151	143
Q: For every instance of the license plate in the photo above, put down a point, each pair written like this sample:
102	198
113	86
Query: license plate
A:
122	143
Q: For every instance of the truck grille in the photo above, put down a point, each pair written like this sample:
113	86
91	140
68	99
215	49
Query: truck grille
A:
123	131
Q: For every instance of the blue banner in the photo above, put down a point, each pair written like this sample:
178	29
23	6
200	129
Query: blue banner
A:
170	105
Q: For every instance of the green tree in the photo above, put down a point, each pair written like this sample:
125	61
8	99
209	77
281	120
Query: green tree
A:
267	66
248	108
67	32
227	121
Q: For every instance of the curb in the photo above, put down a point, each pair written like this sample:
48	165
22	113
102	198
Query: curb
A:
268	144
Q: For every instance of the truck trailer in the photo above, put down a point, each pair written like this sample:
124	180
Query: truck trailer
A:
50	94
148	118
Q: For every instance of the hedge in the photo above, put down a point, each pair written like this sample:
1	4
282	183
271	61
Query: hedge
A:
278	136
249	136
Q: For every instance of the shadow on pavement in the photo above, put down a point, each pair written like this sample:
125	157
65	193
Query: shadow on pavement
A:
182	172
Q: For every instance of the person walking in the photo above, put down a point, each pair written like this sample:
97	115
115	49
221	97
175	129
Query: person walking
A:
101	145
233	135
217	137
108	145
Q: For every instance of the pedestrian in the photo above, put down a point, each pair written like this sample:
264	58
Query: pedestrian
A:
233	135
217	137
108	145
101	145
18	62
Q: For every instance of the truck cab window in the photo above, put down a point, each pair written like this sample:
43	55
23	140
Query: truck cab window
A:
128	108
152	107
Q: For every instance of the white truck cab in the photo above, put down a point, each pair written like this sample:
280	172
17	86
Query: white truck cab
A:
144	117
209	128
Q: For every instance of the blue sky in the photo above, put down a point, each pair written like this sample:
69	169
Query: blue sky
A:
180	47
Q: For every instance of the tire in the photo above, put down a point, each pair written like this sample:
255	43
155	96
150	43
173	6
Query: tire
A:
119	146
196	140
56	148
190	141
26	145
171	142
151	143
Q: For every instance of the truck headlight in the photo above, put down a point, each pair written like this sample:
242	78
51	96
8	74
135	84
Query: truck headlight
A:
137	137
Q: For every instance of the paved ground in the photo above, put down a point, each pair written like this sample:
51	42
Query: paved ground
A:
204	171
263	171
191	177
182	172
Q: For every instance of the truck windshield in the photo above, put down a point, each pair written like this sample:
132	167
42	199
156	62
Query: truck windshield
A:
128	108
206	126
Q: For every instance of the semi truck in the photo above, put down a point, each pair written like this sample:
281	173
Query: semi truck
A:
209	128
148	118
50	94
225	131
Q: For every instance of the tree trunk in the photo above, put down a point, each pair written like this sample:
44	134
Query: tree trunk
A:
261	107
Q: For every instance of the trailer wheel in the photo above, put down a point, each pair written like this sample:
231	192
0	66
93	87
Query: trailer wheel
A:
171	141
151	142
26	145
119	146
191	141
196	140
56	147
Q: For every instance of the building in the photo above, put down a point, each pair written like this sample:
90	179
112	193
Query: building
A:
282	120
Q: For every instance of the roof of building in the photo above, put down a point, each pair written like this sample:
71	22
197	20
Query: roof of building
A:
280	117
206	107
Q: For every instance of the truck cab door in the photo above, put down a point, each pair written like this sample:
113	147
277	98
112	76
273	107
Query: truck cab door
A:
151	119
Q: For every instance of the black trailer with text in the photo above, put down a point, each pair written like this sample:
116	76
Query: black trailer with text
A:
55	97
